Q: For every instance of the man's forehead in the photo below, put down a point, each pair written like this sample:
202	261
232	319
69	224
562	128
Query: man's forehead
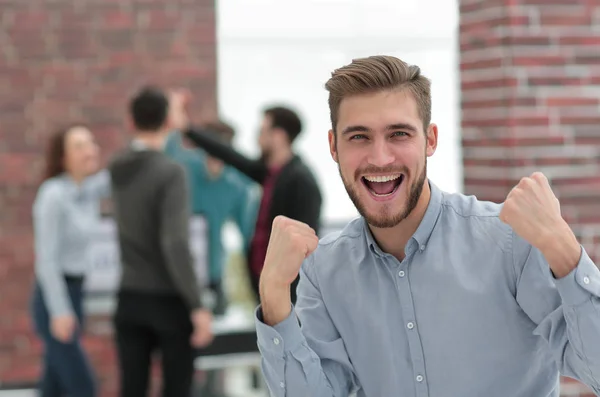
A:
379	109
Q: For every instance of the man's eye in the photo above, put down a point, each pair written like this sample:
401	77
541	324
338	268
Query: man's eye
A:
399	133
356	137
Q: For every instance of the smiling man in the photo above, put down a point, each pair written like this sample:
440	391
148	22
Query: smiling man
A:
427	293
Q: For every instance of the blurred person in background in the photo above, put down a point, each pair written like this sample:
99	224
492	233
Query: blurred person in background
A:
289	186
218	193
159	301
65	213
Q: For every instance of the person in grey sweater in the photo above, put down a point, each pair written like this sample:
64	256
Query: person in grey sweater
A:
65	212
159	305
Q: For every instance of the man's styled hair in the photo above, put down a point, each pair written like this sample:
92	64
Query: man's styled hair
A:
374	74
286	119
149	109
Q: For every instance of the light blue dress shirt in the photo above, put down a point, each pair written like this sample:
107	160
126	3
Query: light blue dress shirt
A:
64	217
472	311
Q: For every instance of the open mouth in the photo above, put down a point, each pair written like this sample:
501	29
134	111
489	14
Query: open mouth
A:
383	185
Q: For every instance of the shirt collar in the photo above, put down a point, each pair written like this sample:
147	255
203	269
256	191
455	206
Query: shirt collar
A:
423	232
138	145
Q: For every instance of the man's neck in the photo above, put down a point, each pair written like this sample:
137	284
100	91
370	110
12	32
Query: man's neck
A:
152	140
280	158
393	240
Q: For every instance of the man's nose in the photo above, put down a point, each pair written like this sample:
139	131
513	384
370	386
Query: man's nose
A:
381	154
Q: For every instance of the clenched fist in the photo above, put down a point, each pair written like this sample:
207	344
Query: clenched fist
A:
532	210
290	243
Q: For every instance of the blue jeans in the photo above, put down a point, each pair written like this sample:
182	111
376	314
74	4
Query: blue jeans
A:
66	368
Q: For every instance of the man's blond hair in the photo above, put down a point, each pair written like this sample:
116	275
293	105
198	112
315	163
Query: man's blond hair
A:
378	73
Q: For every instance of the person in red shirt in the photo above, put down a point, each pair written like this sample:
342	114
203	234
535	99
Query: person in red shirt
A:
289	186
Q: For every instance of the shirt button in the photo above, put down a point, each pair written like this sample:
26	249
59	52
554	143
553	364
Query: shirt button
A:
419	378
276	341
401	273
423	247
281	384
410	325
586	280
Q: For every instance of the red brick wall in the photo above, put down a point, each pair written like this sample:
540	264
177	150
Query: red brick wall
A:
530	81
79	60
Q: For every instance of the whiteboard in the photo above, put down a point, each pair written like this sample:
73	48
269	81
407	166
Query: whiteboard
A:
105	263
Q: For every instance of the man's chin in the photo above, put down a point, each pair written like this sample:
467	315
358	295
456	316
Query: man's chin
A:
384	221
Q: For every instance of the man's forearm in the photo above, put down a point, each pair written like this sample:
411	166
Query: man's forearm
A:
275	301
206	140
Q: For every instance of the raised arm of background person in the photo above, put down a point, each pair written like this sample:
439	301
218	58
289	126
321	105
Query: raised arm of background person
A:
46	225
174	236
174	148
254	169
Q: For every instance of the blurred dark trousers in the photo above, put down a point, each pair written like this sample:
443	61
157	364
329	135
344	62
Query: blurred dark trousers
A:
146	323
66	368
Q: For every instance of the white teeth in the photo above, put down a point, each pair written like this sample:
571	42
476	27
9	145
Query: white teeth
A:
384	178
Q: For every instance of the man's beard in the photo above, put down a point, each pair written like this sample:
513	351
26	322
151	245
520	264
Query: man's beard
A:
386	217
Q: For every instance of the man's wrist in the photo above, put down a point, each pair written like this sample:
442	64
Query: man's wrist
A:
561	250
275	301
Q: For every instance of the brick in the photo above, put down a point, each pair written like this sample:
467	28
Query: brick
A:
555	81
540	60
572	101
481	64
579	40
559	20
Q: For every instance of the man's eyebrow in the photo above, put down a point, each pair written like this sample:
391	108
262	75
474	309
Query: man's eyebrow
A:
355	128
361	128
401	126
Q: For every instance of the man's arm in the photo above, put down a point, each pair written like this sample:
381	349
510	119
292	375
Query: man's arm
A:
308	361
254	169
566	310
175	149
174	237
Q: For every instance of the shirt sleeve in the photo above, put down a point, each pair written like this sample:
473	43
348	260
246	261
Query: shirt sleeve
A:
305	361
47	214
566	310
174	237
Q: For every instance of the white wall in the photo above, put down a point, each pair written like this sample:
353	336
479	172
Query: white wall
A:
279	51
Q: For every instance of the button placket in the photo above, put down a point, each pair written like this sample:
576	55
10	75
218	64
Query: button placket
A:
409	316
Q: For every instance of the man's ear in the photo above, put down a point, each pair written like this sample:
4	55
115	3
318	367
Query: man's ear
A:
332	145
431	139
